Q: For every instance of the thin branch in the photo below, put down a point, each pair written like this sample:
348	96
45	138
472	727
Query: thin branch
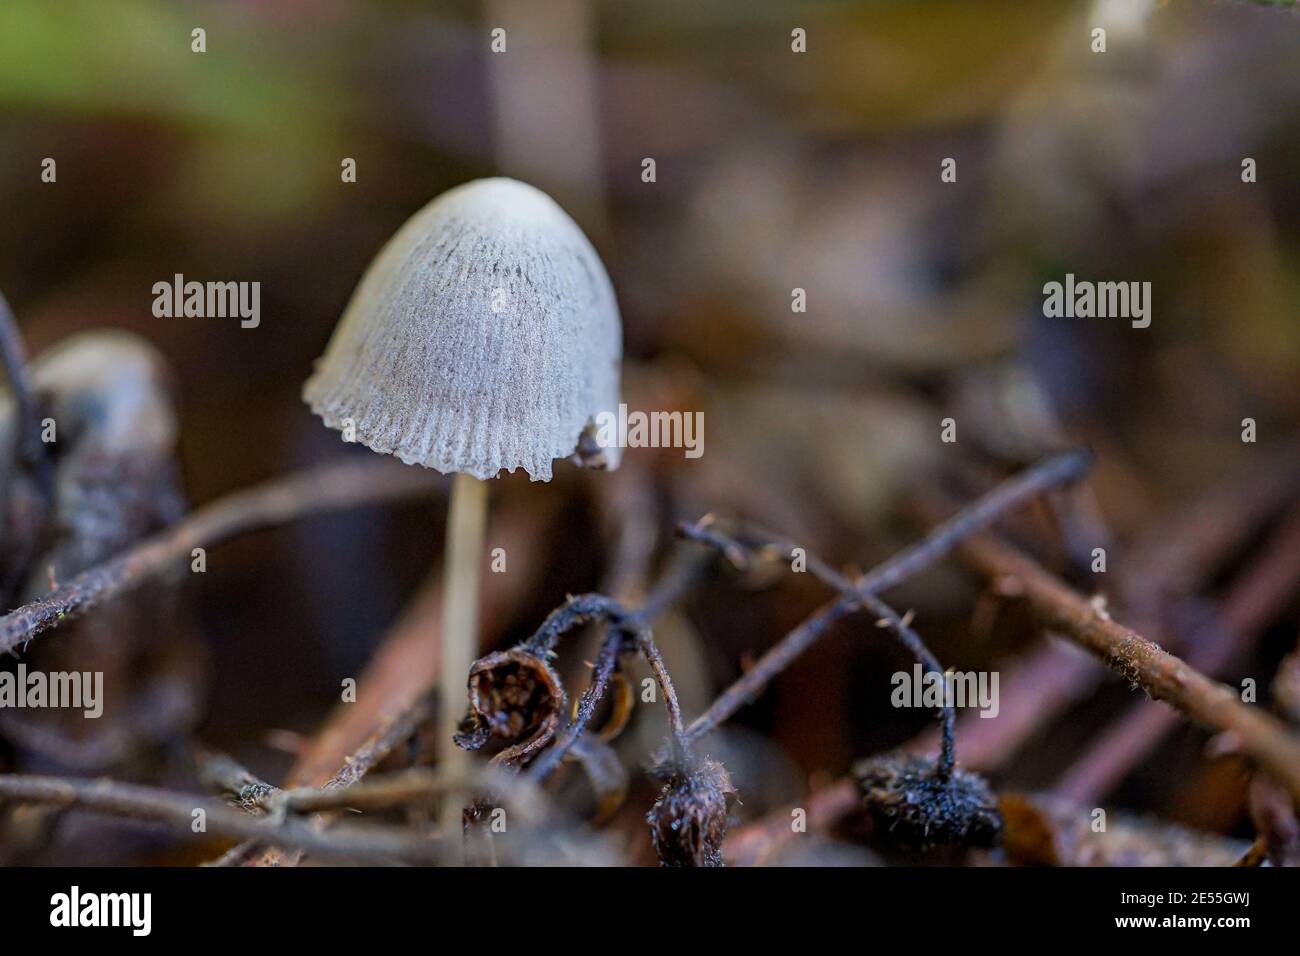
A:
1172	558
886	617
1050	473
225	776
315	490
601	674
177	812
1162	675
676	727
527	803
378	746
1217	644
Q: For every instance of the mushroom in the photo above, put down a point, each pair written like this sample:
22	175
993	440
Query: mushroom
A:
484	336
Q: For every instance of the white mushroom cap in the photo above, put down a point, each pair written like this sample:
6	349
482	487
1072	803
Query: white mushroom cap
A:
485	335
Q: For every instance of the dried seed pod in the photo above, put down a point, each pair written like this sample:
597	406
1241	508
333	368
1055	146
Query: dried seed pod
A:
484	336
514	696
910	803
689	819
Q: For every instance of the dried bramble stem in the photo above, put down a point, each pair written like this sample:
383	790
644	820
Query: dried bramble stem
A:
1161	674
1052	472
311	491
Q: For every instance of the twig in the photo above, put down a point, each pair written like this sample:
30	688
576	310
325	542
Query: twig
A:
223	775
601	674
759	841
1172	558
676	727
1217	643
886	617
1050	473
1160	674
322	489
356	766
414	785
177	812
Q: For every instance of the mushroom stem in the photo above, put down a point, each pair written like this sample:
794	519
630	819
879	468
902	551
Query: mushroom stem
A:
466	517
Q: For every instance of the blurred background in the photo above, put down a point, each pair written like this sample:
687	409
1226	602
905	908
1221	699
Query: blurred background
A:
774	170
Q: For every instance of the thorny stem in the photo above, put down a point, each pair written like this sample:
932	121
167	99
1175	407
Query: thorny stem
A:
886	617
1059	469
686	572
1174	558
311	491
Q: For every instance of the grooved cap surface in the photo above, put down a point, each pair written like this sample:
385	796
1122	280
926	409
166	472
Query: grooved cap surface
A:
484	336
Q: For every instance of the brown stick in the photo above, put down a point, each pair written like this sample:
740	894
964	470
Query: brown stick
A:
384	740
1162	675
325	488
1230	631
176	811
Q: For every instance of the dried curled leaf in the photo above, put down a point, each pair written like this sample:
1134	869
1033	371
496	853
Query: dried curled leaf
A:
909	802
689	820
516	697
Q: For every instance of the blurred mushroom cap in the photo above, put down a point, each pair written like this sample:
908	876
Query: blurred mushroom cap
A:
109	389
484	336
